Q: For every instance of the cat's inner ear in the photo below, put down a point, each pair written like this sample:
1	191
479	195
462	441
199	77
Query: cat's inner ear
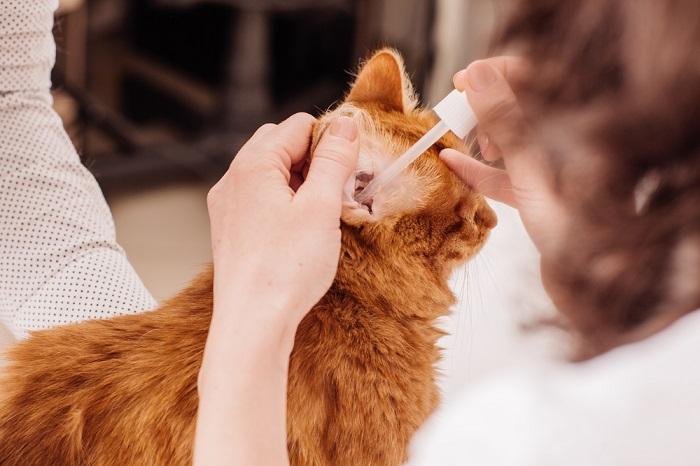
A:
383	81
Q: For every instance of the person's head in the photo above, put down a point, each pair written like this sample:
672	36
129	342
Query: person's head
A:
614	96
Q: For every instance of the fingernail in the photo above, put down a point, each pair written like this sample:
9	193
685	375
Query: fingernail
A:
460	76
344	127
481	76
447	153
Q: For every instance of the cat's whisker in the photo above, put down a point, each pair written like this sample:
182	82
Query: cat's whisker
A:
480	258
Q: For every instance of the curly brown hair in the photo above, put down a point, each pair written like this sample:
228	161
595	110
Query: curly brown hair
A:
616	95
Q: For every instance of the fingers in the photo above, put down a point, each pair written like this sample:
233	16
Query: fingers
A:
502	131
492	182
512	68
261	132
488	151
495	106
333	162
285	144
488	84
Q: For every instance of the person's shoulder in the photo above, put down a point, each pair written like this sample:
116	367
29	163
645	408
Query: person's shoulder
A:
634	405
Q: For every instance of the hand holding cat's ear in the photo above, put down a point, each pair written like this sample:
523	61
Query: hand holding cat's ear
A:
273	151
275	249
333	162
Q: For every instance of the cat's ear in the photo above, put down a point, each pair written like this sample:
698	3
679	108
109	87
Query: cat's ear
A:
382	80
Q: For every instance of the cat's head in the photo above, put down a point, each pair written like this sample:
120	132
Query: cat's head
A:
426	211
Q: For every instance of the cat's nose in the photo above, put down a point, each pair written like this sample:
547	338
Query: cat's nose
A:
484	216
477	210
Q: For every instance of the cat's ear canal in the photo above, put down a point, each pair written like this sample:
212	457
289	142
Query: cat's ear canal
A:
383	81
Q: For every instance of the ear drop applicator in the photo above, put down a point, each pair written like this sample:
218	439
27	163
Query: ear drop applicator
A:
455	115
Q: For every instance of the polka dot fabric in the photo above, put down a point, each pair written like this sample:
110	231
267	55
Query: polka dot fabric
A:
59	259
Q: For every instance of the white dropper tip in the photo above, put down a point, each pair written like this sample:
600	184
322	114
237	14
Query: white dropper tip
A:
455	115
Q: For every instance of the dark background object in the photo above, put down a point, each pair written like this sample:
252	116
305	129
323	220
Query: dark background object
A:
172	88
193	40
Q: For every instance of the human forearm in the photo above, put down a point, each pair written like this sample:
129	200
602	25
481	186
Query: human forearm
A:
243	386
275	250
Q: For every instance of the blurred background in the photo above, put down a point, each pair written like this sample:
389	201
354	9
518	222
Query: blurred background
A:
159	94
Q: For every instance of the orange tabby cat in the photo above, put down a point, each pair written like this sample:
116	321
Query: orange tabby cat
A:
361	379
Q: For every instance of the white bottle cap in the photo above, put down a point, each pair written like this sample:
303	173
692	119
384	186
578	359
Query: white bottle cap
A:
457	114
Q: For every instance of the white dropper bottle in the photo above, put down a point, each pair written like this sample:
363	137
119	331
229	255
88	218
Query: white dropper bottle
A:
455	115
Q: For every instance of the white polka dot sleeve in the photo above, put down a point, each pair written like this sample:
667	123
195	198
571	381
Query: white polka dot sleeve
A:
59	260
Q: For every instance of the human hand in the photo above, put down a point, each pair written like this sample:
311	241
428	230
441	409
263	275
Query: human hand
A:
503	134
276	239
276	244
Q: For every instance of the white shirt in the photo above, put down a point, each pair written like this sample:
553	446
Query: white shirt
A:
59	259
638	405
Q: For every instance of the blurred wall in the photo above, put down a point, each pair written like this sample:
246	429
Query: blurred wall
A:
462	33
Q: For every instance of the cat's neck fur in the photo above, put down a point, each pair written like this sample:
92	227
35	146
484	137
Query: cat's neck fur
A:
372	340
394	280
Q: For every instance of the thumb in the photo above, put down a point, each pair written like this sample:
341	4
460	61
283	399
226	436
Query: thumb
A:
333	161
